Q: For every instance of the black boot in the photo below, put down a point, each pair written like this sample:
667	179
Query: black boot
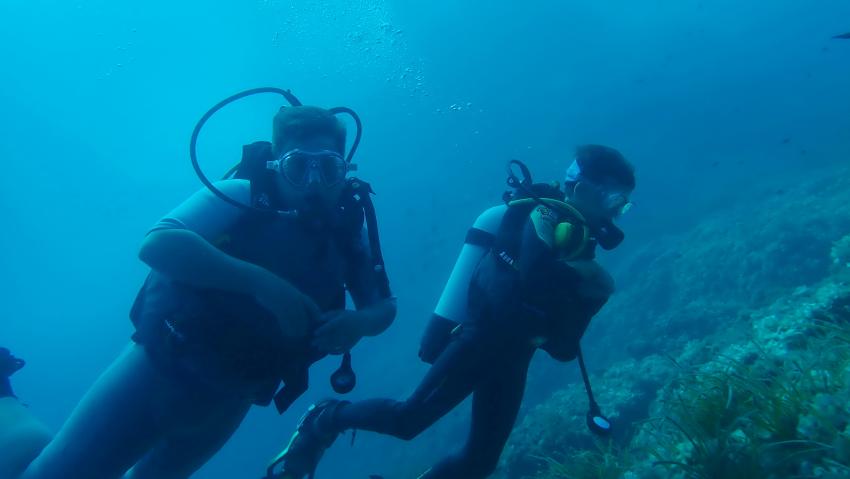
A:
9	365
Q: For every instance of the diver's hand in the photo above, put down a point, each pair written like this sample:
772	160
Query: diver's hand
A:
293	310
339	332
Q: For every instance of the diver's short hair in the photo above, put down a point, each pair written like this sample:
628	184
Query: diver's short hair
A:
604	164
302	122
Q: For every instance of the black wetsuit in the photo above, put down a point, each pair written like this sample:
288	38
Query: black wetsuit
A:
487	357
467	366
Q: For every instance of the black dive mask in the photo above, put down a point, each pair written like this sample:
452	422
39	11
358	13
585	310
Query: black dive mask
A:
303	168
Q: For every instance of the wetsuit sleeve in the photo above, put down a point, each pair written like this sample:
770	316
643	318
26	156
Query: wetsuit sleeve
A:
206	214
453	302
563	344
593	289
361	279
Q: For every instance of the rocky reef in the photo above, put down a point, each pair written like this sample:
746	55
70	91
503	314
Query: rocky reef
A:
732	353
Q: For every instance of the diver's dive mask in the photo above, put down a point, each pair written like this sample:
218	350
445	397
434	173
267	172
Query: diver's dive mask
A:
615	203
614	200
302	167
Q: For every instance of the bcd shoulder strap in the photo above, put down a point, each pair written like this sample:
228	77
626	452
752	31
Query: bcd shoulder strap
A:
505	242
253	168
361	192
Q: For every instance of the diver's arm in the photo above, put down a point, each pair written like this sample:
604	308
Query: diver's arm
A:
375	306
181	247
376	318
186	257
593	286
563	342
563	348
341	330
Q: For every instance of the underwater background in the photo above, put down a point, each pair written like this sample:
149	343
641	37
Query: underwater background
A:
725	352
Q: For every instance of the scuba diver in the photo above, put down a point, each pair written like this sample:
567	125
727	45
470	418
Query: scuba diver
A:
525	279
247	289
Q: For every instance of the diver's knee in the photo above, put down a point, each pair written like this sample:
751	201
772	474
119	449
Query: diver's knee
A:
22	437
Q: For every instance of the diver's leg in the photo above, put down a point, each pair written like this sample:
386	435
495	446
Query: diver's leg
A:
22	435
494	410
184	451
114	424
454	375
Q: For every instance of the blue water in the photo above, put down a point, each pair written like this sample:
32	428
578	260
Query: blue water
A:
98	98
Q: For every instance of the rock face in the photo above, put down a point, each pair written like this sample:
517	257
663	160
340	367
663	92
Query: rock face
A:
737	353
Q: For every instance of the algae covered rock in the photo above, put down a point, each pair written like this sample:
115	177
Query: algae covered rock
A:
771	406
840	255
687	286
626	390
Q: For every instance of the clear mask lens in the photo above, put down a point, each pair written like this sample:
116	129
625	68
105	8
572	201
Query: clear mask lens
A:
618	203
302	168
